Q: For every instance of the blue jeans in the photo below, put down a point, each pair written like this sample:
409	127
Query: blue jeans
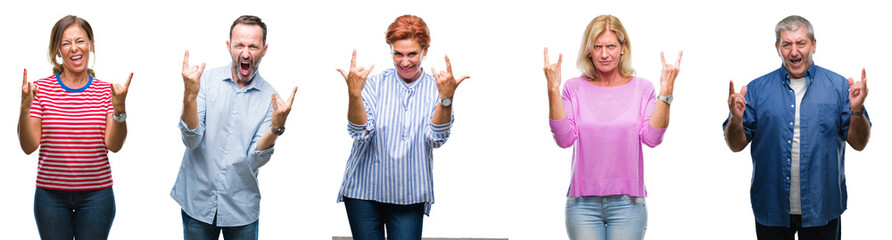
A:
608	217
74	214
198	230
369	218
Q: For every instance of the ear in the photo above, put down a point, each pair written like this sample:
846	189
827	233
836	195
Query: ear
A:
814	45
265	47
424	53
227	45
776	47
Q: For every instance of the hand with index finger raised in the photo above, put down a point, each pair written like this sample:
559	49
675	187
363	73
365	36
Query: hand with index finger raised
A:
446	81
736	101
668	74
356	77
553	72
858	91
191	76
119	94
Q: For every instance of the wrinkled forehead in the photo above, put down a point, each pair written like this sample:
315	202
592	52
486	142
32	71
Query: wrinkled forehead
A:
247	33
73	32
606	38
406	46
800	34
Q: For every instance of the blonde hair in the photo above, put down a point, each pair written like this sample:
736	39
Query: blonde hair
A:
595	28
56	40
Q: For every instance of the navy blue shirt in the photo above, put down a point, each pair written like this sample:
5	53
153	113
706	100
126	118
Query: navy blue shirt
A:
824	123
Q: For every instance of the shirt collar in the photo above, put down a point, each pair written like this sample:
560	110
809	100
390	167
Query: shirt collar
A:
809	74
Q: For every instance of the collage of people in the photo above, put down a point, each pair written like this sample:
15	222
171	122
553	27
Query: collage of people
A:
155	120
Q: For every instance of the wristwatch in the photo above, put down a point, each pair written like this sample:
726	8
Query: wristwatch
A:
447	101
666	99
856	113
120	118
279	131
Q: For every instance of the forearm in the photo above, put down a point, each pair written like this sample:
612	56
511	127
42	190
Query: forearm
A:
267	141
442	115
356	111
117	133
29	131
555	105
190	111
859	132
660	117
734	135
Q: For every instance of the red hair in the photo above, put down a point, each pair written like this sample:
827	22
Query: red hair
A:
408	27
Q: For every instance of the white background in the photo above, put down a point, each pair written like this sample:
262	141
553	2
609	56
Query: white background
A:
501	174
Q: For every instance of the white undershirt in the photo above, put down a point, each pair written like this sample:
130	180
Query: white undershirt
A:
799	86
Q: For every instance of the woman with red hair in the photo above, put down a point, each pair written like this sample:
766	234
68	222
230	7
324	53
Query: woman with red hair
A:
396	119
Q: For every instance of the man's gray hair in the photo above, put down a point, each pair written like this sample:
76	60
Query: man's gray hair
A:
793	23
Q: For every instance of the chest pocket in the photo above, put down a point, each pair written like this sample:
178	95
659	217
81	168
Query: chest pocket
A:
828	119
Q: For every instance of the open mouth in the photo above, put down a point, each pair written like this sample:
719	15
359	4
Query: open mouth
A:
245	66
407	70
77	59
796	62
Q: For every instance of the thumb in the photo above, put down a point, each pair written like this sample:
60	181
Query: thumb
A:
851	82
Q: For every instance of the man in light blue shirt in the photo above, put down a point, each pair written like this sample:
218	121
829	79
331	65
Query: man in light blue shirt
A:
231	119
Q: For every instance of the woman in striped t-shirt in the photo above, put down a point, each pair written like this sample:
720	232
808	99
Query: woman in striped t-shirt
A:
75	120
396	119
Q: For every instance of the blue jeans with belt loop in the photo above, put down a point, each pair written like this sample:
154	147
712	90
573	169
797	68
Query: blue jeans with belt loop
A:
65	215
606	217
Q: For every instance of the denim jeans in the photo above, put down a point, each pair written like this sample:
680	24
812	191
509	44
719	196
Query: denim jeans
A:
831	231
368	220
608	217
74	214
198	230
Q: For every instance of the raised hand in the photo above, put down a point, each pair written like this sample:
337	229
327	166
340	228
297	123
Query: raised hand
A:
736	102
119	94
191	76
858	91
553	72
446	82
668	74
355	77
280	110
29	90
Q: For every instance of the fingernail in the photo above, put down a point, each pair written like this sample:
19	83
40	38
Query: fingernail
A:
131	74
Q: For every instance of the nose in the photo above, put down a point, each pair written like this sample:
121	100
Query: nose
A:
245	55
604	53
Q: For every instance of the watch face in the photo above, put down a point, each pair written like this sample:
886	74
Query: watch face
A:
446	102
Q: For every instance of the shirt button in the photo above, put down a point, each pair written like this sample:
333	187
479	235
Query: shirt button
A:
788	141
788	178
788	159
791	123
792	106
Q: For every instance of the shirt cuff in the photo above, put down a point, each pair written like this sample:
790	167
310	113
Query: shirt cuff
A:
185	129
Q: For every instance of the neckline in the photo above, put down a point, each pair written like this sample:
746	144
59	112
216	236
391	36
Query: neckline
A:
59	80
589	82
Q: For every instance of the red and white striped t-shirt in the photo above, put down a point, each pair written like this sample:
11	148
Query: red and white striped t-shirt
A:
73	155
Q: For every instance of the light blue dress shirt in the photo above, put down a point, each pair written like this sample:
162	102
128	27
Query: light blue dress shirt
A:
392	153
219	170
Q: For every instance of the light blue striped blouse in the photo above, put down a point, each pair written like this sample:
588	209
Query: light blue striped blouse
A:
392	156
